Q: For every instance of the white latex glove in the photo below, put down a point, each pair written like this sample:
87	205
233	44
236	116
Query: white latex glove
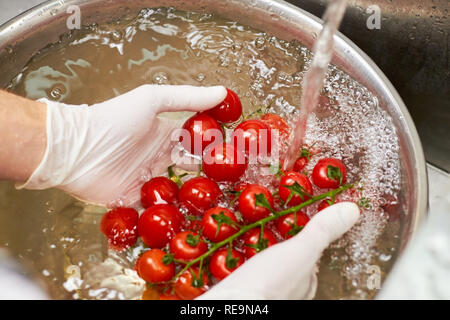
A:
288	270
100	153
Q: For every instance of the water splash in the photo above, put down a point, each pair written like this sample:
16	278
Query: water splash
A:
323	51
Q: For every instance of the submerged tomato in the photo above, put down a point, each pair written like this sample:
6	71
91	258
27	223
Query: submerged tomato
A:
247	203
289	179
229	110
329	173
120	227
224	163
253	137
187	246
219	266
151	268
253	244
199	194
286	226
202	130
188	289
158	224
210	223
275	122
159	190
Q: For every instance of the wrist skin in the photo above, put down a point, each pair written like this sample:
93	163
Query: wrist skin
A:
23	137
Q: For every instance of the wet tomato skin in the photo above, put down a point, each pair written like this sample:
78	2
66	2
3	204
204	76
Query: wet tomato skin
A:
229	110
289	179
300	164
218	265
251	237
284	224
253	137
157	191
158	224
275	122
120	227
209	225
321	177
184	288
247	203
183	250
224	163
200	129
199	194
151	268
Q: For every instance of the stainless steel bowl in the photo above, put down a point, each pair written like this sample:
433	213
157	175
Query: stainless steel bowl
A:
33	30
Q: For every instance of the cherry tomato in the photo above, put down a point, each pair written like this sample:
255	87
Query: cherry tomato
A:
159	190
289	179
275	122
120	227
224	163
300	163
218	264
286	226
230	110
247	203
199	194
240	186
151	268
329	173
187	246
203	130
253	137
252	245
158	224
324	204
186	289
210	224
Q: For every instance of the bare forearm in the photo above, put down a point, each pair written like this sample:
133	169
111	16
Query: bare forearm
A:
22	136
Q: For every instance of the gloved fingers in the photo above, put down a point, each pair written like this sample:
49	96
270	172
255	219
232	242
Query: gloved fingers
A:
329	225
186	98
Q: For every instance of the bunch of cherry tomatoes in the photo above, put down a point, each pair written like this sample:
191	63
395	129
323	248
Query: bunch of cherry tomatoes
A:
186	225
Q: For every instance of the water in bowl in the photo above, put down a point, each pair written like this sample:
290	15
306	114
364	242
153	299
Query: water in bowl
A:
59	238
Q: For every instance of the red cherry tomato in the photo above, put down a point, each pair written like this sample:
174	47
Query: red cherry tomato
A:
286	226
184	287
240	186
247	203
224	163
289	179
187	246
120	227
158	224
210	224
218	264
300	163
251	239
253	137
230	110
159	190
151	268
324	204
202	129
329	173
275	122
199	194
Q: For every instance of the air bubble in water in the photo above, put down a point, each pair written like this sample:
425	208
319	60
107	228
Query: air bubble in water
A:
260	42
161	78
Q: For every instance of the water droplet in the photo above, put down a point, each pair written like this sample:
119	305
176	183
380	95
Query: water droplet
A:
161	78
260	42
200	77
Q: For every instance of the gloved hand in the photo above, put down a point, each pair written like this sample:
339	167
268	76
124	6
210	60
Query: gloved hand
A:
287	270
100	153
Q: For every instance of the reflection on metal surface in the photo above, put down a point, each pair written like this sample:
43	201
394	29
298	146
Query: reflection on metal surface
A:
411	48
